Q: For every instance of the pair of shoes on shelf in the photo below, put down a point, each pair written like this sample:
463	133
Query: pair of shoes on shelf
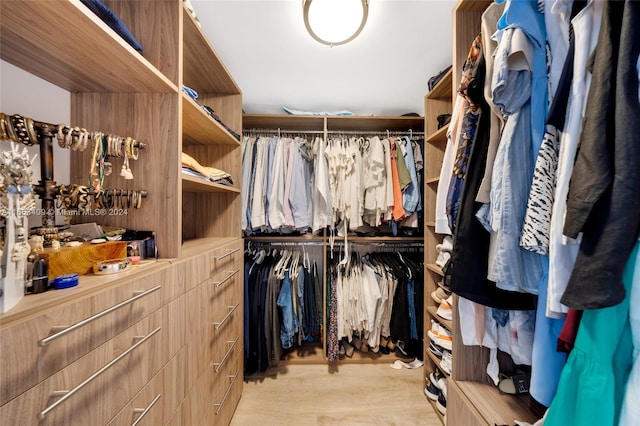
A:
435	349
440	294
436	390
516	383
443	258
440	335
446	361
348	348
444	310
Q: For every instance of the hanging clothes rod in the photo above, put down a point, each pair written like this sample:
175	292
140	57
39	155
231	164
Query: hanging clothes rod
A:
281	131
394	244
333	132
375	133
255	243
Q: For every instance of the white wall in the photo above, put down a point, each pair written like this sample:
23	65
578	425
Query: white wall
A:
276	63
25	94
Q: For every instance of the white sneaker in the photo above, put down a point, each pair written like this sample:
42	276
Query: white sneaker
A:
446	362
444	310
440	335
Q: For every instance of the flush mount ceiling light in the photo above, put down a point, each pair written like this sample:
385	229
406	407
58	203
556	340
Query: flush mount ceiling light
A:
335	22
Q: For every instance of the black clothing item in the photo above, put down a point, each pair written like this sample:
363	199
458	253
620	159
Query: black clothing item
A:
469	262
604	192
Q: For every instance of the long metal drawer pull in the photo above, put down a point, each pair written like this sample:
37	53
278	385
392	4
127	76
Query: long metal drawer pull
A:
219	365
227	278
143	411
229	253
221	323
60	331
226	394
68	394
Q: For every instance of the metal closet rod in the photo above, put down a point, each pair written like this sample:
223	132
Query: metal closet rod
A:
336	132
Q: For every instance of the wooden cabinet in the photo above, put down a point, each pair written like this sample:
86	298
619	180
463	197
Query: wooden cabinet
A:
437	101
115	89
471	399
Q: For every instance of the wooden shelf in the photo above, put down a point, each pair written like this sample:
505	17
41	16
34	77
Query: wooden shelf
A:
375	123
283	121
204	71
432	180
448	324
496	408
434	268
435	409
430	224
439	136
198	128
195	184
443	88
36	36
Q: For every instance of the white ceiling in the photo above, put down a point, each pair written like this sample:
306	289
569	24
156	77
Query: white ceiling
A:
275	62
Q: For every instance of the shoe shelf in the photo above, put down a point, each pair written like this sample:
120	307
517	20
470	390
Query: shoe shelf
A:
198	128
448	324
482	403
436	362
432	181
434	268
435	410
438	137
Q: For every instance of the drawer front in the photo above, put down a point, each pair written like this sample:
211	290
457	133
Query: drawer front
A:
225	257
34	352
99	384
227	391
158	400
193	271
197	326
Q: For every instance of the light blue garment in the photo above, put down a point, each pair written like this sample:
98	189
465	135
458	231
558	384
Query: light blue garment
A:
546	362
246	178
268	182
593	382
524	14
512	268
411	195
289	319
252	169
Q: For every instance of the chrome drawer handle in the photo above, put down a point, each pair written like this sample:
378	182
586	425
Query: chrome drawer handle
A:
219	365
64	394
227	278
60	331
229	253
221	323
143	411
226	394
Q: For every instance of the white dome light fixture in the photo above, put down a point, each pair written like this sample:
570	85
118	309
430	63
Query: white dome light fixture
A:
335	22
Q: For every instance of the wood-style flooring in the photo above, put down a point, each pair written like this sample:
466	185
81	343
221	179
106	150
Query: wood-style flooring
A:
349	394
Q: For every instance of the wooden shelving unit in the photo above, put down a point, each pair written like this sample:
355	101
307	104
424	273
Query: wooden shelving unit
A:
115	89
325	126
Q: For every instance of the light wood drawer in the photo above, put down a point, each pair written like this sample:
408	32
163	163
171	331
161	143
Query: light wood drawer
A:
227	391
196	333
31	351
194	271
99	384
158	400
225	257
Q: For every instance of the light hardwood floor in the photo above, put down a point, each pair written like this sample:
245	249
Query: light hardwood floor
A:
349	394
